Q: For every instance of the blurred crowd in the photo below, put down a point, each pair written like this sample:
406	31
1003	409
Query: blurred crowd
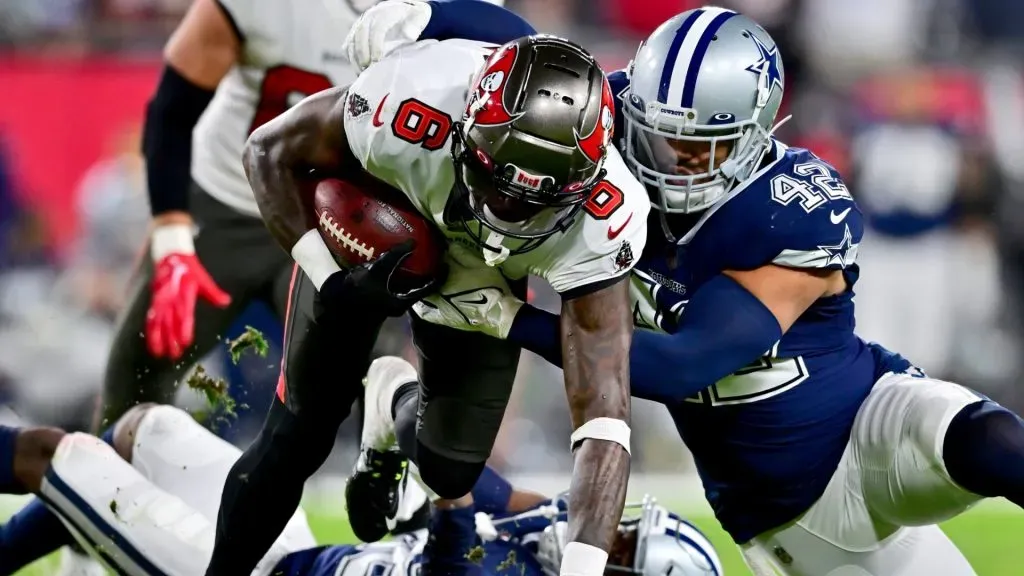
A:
918	103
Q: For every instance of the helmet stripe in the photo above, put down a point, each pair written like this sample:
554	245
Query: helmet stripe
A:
673	54
702	547
690	85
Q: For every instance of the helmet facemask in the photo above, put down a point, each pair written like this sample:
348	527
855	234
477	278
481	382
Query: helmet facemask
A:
653	137
510	201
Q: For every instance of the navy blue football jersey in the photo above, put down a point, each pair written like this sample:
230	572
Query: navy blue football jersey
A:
767	439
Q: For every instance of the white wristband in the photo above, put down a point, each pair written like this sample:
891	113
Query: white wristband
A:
602	428
579	559
171	239
315	258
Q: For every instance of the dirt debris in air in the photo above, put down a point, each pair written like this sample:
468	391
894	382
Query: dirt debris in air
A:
215	390
251	339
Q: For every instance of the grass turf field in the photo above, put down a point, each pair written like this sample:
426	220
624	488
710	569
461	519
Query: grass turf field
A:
991	536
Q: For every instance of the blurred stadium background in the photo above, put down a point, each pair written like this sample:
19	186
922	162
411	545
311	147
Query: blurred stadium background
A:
919	103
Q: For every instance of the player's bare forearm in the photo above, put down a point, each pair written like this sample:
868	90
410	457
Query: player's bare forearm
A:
597	330
280	155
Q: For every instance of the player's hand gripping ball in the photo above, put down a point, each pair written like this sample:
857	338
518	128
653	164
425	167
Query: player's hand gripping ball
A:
361	220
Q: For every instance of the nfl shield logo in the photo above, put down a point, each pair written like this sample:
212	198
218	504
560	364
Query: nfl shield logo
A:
624	257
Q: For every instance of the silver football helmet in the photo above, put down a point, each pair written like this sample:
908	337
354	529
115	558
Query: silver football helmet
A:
704	91
651	542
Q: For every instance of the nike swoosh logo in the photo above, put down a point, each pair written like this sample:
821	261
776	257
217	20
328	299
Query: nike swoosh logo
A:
614	233
837	218
480	300
376	115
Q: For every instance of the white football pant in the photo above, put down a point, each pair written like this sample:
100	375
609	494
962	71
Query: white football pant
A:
878	514
157	515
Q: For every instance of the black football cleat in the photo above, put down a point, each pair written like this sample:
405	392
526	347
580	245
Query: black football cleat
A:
373	491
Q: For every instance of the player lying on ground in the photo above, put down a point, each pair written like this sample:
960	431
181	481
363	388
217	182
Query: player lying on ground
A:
507	151
143	497
817	450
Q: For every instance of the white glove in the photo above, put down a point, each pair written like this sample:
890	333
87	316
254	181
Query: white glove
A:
384	28
475	298
484	527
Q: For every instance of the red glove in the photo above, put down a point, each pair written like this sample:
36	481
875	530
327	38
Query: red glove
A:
178	280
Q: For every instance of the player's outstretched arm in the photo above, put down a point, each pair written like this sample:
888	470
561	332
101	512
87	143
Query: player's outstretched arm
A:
596	332
279	156
730	321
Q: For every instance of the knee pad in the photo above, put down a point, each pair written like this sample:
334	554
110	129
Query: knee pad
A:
447	478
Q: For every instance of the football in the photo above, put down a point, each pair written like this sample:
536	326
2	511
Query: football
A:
360	220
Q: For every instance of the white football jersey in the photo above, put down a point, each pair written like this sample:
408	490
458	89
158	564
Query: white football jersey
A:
400	556
398	118
289	51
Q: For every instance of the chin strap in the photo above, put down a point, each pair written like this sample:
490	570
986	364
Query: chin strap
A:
495	253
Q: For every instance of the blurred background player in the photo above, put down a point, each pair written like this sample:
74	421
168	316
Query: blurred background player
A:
140	499
924	211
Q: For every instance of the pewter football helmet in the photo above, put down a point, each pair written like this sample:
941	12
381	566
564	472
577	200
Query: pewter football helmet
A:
532	143
665	544
708	75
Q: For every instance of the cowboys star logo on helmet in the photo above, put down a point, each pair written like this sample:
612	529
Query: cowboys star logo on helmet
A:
769	64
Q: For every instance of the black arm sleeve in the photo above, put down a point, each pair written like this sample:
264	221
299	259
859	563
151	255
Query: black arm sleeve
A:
167	139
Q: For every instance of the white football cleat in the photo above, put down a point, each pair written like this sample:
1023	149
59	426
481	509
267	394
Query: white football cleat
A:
373	491
385	376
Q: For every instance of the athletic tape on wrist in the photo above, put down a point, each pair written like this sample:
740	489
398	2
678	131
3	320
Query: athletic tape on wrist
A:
315	259
603	428
579	559
171	239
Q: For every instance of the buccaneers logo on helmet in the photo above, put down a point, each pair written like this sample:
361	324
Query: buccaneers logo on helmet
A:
595	144
487	104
